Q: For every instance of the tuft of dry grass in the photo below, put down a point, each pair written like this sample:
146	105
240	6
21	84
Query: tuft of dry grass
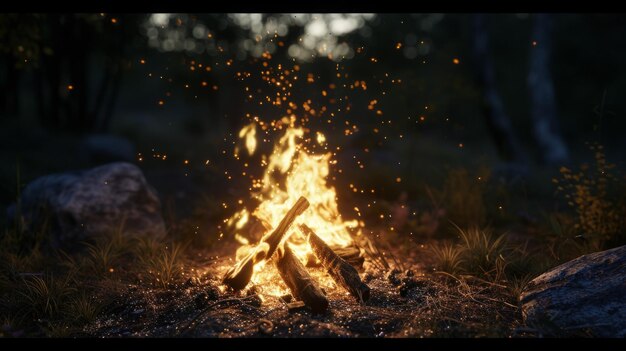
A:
481	251
44	296
480	254
82	308
517	285
106	253
448	257
163	263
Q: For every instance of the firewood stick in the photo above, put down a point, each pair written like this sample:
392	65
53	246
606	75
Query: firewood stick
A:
351	254
302	285
239	275
341	271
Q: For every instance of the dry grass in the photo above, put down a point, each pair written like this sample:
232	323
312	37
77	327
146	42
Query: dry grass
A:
163	263
45	296
448	257
82	308
598	198
481	252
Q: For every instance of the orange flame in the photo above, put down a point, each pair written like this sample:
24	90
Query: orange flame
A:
291	172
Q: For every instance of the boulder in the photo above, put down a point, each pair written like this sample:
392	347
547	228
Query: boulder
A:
84	204
585	296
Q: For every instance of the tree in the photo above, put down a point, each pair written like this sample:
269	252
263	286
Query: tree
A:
542	99
498	122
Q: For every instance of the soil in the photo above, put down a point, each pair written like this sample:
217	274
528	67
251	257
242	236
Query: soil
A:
414	302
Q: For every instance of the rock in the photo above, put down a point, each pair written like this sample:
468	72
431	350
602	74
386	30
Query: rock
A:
201	300
296	306
82	205
266	326
393	278
104	148
585	295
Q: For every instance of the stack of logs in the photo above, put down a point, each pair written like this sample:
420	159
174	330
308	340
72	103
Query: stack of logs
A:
303	287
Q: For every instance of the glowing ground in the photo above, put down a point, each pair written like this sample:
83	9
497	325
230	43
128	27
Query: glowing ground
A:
403	304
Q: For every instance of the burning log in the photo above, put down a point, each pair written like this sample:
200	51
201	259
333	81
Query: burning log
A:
301	284
239	276
341	271
351	254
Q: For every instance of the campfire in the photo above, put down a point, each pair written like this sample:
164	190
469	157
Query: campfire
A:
302	228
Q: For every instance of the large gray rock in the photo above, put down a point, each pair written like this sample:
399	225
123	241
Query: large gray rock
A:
84	204
585	295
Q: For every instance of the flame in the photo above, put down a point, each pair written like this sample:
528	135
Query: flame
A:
292	172
249	133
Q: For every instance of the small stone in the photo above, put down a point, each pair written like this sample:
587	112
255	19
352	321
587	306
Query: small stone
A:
392	276
266	326
201	300
253	290
193	281
213	293
255	301
296	306
407	285
367	277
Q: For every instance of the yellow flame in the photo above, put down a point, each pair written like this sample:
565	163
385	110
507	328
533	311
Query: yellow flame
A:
291	172
242	221
249	133
242	240
321	139
305	176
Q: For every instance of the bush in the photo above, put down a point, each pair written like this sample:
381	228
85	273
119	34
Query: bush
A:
598	198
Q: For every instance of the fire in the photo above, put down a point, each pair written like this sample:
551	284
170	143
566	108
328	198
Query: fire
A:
292	172
249	133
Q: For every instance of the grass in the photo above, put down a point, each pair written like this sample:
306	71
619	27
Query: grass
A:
480	250
83	308
449	257
162	263
479	253
45	296
56	293
69	291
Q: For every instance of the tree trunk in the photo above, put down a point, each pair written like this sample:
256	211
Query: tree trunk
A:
498	122
542	100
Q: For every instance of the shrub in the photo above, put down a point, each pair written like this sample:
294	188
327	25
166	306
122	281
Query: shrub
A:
597	197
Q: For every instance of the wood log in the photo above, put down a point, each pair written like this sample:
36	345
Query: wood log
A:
239	275
302	285
351	254
341	271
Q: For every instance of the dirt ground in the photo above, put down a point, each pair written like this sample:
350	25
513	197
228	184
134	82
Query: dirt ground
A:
415	302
